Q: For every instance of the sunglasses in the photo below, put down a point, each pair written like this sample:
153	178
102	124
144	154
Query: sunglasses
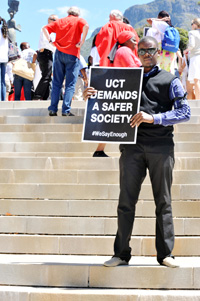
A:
52	19
151	51
192	24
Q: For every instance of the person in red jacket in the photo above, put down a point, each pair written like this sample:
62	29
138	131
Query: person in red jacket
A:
124	56
67	56
108	34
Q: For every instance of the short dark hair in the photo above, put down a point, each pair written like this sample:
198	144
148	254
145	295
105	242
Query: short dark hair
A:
163	14
23	45
147	39
126	20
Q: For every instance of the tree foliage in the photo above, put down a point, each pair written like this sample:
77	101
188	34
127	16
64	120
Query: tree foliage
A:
183	38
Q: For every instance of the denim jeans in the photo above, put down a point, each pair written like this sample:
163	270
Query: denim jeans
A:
20	82
2	81
64	66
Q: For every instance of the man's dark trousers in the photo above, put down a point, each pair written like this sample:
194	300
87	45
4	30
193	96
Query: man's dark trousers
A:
45	59
158	158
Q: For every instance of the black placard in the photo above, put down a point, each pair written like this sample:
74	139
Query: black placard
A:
108	113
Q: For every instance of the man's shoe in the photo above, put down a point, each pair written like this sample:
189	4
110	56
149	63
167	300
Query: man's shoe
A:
170	262
114	262
100	154
52	113
68	114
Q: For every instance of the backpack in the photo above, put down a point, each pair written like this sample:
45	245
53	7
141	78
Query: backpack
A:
171	39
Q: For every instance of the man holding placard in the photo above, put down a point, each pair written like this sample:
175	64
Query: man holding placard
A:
154	151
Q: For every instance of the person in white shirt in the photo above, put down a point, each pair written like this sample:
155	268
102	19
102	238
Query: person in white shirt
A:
30	56
45	59
194	52
3	57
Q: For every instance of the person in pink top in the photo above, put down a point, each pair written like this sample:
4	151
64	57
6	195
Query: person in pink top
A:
121	55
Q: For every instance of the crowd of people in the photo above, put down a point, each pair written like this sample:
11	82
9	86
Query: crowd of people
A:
60	42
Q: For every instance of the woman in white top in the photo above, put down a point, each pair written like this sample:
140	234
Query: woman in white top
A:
194	54
3	57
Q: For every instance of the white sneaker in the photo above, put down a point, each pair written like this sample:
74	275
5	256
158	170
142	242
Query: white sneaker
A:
170	262
114	262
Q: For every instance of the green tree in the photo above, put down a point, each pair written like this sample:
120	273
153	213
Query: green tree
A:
140	30
183	38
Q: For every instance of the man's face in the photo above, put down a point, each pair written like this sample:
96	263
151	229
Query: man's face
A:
148	56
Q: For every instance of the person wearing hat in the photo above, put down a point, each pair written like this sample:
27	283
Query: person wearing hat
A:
121	55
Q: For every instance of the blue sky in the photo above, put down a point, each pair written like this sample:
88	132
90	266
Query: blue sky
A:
33	14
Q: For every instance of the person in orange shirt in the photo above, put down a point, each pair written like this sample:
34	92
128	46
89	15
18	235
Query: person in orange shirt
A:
67	56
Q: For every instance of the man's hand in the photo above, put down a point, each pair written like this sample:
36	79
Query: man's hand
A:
79	44
141	117
88	92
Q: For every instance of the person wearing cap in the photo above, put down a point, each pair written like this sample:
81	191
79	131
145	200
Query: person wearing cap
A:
71	33
105	40
121	55
45	60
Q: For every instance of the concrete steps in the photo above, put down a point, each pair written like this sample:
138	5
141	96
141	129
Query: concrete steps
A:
96	191
75	176
80	163
87	271
10	293
89	225
90	245
90	208
58	212
37	137
73	127
79	147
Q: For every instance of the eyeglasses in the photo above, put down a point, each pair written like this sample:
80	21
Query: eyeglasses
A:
151	51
